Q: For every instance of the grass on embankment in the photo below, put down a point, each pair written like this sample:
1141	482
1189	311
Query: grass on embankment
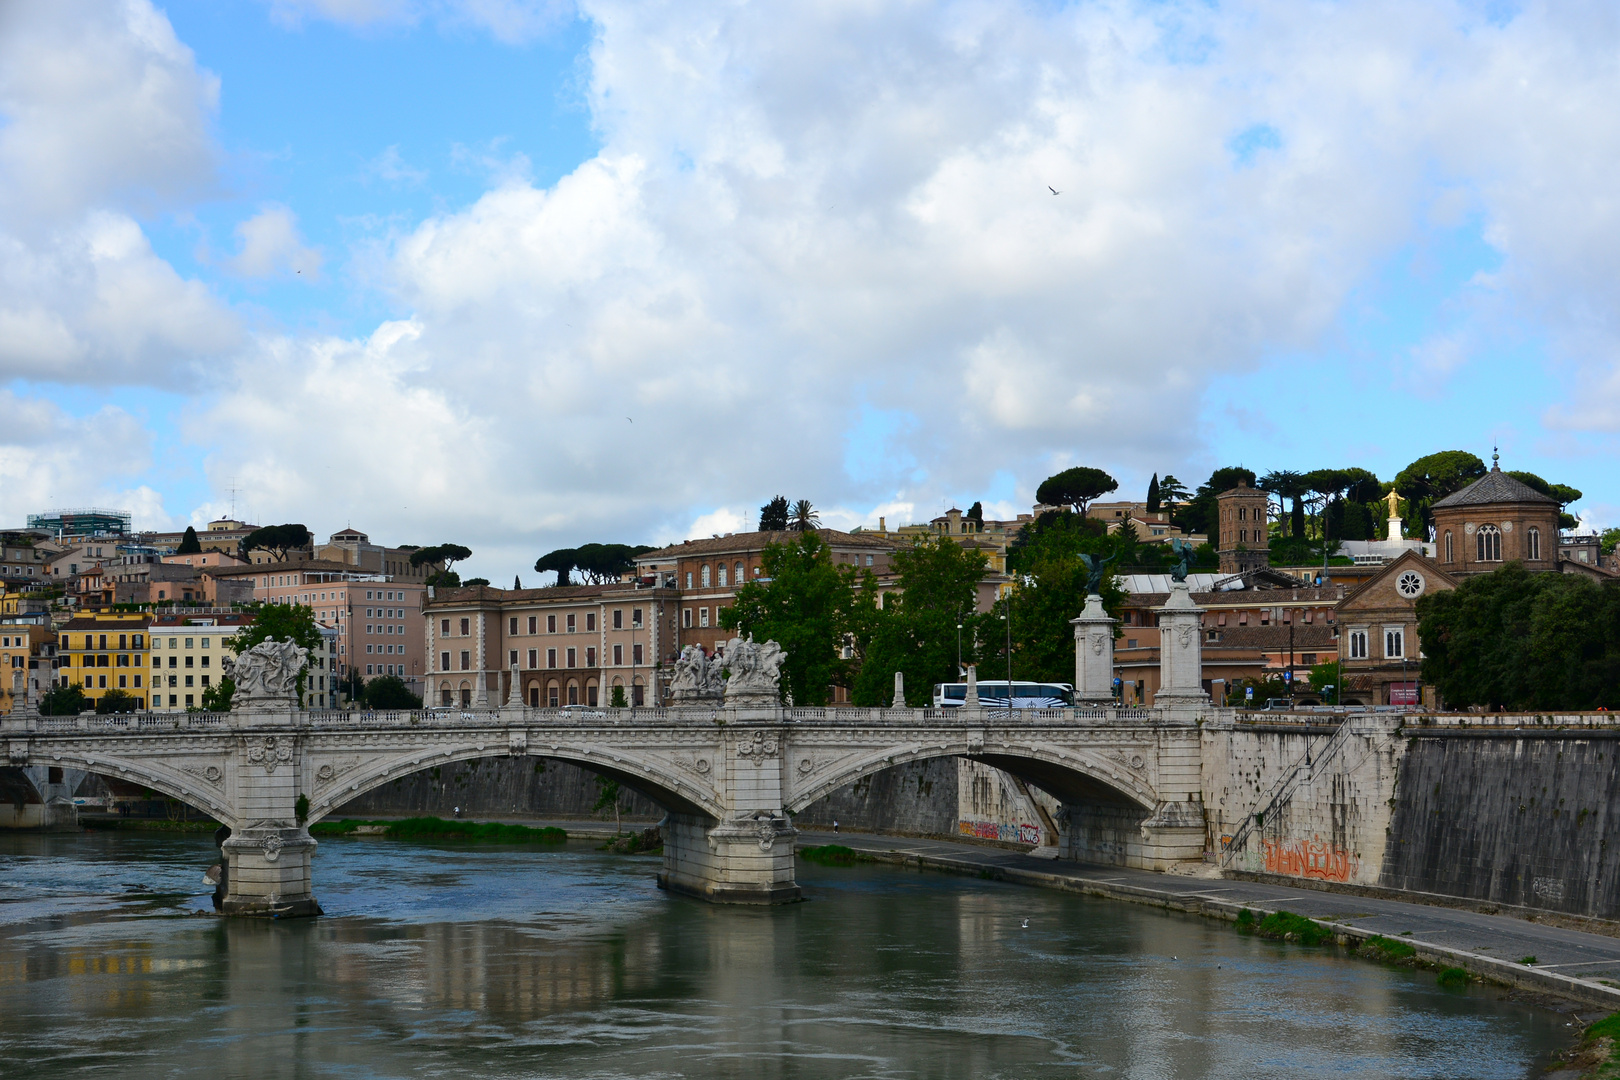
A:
435	828
834	855
1597	1056
1286	926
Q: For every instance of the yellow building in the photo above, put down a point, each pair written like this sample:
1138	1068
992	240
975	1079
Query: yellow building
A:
103	651
26	654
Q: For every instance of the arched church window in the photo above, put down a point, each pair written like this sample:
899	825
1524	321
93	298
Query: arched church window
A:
1488	542
703	575
1532	543
1448	545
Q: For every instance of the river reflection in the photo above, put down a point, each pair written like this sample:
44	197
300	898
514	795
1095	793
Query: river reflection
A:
567	963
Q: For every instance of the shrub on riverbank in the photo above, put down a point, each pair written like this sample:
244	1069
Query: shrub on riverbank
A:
1387	950
435	828
1452	976
646	842
833	855
1286	926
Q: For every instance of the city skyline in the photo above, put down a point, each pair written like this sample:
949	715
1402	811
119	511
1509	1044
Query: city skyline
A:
524	276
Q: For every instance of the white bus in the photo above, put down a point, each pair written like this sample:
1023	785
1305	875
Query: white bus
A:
993	694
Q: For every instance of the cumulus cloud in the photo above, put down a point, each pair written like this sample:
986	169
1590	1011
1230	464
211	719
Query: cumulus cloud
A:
270	246
103	113
49	458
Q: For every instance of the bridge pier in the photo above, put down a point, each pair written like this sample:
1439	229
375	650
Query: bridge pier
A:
269	850
268	873
743	861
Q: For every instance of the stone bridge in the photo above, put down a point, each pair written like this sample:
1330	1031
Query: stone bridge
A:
731	778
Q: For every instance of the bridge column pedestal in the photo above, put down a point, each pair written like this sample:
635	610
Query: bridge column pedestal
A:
744	861
269	873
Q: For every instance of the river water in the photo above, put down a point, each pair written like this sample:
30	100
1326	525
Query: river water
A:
483	962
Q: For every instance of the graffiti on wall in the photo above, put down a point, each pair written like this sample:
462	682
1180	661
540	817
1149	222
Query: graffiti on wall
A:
990	830
1313	858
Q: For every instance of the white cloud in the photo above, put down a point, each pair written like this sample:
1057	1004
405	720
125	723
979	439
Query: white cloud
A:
49	458
270	246
510	21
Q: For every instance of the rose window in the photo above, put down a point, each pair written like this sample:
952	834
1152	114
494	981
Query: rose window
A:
1410	584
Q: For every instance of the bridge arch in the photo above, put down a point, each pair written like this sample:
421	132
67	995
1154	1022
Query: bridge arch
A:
1072	776
645	776
202	791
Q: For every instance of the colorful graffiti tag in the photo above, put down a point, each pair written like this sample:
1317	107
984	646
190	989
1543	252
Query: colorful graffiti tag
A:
1313	858
990	830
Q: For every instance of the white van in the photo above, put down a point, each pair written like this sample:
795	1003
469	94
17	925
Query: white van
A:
993	694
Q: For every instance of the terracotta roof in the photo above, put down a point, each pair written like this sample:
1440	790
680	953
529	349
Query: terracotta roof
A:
1495	486
755	541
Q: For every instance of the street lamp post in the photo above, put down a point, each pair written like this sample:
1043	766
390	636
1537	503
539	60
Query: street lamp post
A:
958	650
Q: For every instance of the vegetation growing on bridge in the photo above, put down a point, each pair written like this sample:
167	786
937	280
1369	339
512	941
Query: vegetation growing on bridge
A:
834	855
436	828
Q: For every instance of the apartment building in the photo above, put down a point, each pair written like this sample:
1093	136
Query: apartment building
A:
570	645
708	573
377	620
106	650
187	656
21	564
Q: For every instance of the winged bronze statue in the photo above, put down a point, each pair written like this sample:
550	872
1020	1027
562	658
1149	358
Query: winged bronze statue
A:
1096	570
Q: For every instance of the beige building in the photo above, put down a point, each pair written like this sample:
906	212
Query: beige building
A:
27	663
187	656
570	645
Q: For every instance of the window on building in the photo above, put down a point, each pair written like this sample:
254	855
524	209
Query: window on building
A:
689	579
466	660
466	627
722	575
1448	545
635	618
703	575
551	658
444	627
512	659
573	657
572	625
1488	542
703	616
635	654
590	656
686	618
444	661
533	624
551	695
573	691
511	625
534	659
590	621
1394	642
1532	544
551	624
1358	644
618	618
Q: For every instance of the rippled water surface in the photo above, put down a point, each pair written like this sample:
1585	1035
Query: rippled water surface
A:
567	963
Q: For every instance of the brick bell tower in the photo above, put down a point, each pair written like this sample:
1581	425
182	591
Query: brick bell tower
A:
1245	532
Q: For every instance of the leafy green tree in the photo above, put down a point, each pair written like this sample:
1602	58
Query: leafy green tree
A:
1075	488
474	582
189	544
773	516
616	699
63	700
1562	492
280	622
559	562
117	701
217	698
807	605
1608	540
1153	495
448	555
915	632
1050	589
277	539
1327	680
1286	484
1518	640
1430	479
353	686
597	564
390	692
443	579
1172	492
804	517
607	798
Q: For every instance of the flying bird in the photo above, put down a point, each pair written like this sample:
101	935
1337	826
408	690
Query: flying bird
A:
627	418
1053	190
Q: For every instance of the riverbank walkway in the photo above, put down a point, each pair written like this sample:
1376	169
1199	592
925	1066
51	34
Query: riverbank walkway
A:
1572	964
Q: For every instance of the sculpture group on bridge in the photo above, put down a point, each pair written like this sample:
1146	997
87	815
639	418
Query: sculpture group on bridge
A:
267	674
747	673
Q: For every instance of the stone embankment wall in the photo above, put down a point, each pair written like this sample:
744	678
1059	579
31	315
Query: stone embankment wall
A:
1510	818
1516	810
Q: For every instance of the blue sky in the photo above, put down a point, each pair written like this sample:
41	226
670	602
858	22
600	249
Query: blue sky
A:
531	274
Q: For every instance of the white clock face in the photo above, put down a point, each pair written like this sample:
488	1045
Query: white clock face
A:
1410	584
